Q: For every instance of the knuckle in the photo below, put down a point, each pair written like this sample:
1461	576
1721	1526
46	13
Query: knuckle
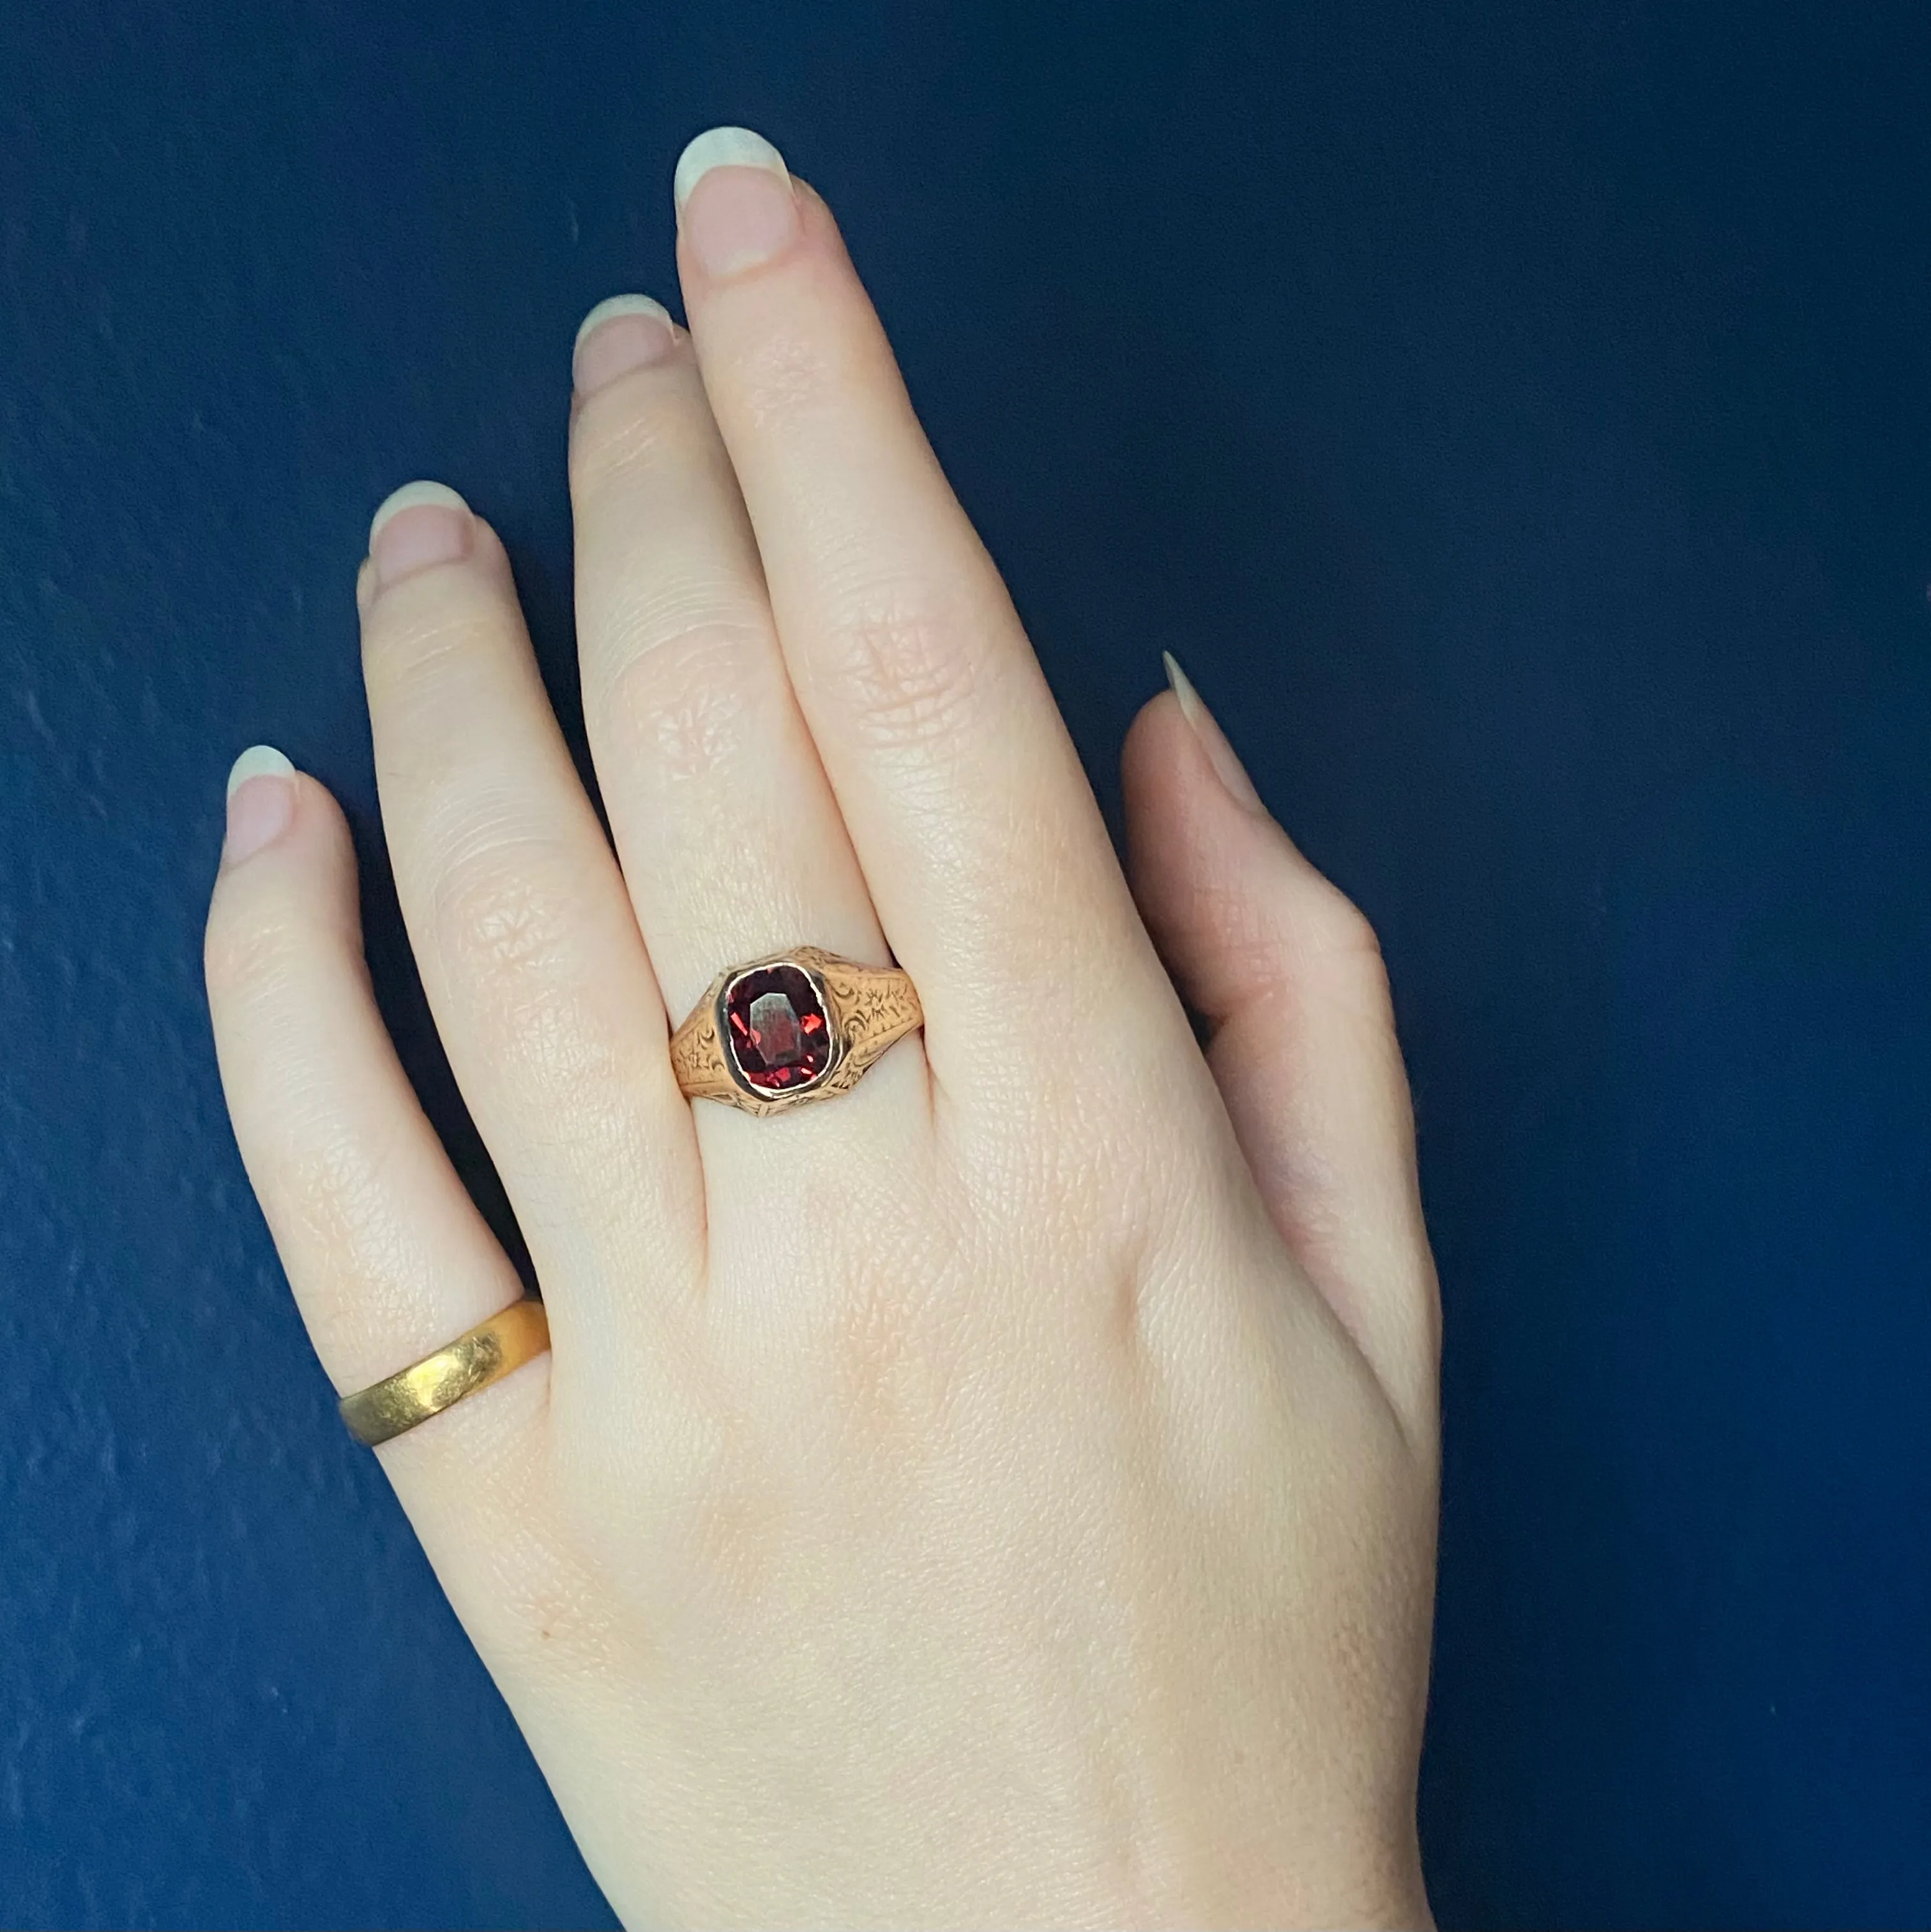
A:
788	375
238	954
422	639
688	693
1313	937
900	1357
633	437
507	928
1346	931
1341	954
493	915
909	673
246	954
334	1192
732	1533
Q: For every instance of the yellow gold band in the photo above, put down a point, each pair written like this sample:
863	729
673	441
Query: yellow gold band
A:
484	1354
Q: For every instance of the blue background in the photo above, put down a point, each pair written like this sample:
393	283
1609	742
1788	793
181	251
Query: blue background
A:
1516	416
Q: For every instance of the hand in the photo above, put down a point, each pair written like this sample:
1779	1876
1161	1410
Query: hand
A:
1002	1494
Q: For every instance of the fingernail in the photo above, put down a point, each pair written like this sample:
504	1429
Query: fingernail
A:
1232	773
261	803
420	525
621	333
734	200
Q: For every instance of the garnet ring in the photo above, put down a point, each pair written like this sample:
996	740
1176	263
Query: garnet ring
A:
797	1027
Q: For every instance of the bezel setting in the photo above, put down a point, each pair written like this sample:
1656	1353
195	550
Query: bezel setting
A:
866	1010
767	1098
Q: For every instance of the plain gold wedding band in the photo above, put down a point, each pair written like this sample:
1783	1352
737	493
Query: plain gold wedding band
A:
480	1356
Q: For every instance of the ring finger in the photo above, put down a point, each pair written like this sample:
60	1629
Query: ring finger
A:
530	958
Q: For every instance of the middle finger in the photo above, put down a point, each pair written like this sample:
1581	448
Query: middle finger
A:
732	844
985	853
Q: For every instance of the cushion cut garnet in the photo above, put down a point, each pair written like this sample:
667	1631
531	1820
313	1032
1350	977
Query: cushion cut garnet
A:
780	1037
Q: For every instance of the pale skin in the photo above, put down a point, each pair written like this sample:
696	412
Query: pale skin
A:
1004	1494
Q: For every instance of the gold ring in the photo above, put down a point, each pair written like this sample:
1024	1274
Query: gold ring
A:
481	1355
798	1026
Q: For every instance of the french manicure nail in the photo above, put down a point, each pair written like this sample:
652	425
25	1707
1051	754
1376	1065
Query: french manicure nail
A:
261	803
418	526
621	333
734	201
1231	773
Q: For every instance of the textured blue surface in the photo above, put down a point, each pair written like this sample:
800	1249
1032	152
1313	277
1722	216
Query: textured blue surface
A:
1517	418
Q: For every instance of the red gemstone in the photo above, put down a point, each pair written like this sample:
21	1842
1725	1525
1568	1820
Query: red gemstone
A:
775	1022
